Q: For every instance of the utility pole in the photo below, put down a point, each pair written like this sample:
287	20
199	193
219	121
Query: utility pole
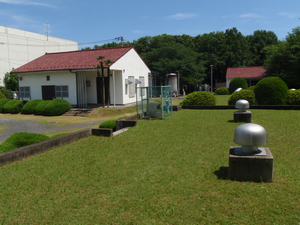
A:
120	39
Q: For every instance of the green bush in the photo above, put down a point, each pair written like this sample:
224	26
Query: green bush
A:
13	107
7	93
29	107
271	91
2	96
248	95
199	98
222	91
2	103
39	109
108	124
251	88
56	107
21	139
293	97
238	82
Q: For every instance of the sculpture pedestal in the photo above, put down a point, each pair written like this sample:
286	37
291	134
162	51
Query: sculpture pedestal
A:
239	116
257	167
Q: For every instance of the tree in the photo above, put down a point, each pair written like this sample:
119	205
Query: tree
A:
283	59
11	81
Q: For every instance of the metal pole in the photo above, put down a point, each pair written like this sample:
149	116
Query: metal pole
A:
211	72
114	88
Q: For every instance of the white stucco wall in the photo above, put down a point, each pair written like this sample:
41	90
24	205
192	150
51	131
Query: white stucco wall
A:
129	65
18	47
37	80
228	80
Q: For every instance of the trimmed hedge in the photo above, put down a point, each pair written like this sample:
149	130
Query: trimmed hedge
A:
238	82
248	95
109	124
293	97
222	91
2	103
2	96
271	91
251	88
56	107
21	139
39	109
13	107
29	107
199	98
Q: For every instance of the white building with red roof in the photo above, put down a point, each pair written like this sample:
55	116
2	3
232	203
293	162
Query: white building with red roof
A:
251	74
74	76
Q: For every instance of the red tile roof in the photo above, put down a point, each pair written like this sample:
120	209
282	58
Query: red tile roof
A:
246	72
85	59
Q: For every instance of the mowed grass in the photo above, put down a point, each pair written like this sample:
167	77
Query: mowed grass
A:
159	172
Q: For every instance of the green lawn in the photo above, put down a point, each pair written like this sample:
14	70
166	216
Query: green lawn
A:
159	172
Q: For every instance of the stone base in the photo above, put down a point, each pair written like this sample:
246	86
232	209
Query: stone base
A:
255	167
242	116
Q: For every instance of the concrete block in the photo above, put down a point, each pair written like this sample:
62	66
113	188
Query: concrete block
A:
102	132
255	168
239	116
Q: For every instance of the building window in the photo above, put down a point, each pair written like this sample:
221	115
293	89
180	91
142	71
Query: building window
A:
62	91
24	92
131	87
47	78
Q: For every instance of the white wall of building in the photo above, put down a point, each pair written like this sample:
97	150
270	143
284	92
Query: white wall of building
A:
228	80
130	64
18	47
37	80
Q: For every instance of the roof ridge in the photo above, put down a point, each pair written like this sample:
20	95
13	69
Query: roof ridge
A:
245	67
90	50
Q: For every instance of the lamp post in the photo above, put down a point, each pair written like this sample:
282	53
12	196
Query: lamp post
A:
211	72
178	84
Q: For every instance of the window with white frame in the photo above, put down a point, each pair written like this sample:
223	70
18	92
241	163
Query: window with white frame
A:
62	91
24	92
131	87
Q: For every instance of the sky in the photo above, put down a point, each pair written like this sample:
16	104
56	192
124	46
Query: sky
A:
98	22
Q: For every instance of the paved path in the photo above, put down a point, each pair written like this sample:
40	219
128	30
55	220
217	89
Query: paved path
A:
14	126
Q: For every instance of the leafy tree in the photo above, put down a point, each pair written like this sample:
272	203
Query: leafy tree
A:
283	59
11	81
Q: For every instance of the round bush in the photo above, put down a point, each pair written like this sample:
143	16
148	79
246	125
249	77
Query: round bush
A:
2	96
271	91
251	88
40	108
29	107
293	97
238	82
2	103
5	147
248	95
108	124
23	139
199	98
56	107
13	107
222	91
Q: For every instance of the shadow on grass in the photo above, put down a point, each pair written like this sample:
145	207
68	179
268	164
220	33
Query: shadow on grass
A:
222	173
230	121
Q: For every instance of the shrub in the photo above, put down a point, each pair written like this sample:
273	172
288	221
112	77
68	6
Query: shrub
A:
2	96
222	91
29	107
238	82
199	98
271	91
293	97
56	107
14	106
251	88
5	147
8	93
22	139
39	109
2	103
248	95
108	124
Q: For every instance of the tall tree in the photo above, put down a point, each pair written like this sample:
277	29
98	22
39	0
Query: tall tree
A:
11	81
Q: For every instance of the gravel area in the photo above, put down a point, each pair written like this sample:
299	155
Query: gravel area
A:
14	126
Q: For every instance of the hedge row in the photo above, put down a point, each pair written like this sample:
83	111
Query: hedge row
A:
53	107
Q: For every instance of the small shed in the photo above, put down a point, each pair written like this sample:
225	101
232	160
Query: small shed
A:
251	74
